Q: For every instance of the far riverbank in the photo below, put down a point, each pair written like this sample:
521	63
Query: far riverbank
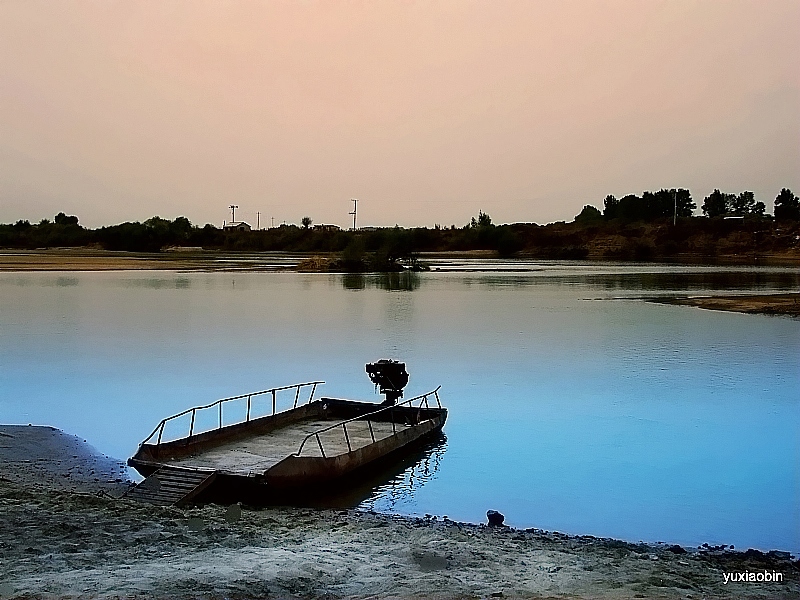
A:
192	260
767	304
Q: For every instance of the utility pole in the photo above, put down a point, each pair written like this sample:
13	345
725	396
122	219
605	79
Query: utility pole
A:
272	221
355	210
233	208
258	220
675	214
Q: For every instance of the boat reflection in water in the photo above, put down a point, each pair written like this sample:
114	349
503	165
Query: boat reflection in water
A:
385	486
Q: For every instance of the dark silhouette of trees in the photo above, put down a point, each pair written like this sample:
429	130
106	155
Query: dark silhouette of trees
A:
62	219
745	204
716	203
787	206
589	215
151	236
720	204
611	207
650	206
483	220
633	227
686	205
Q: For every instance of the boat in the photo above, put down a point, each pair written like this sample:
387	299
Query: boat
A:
254	453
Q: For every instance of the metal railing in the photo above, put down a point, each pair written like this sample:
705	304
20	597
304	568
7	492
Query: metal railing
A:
423	399
219	403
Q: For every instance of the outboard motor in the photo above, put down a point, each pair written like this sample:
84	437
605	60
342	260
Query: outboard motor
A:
391	376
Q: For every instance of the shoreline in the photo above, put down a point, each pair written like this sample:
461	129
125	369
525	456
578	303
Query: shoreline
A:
762	304
197	259
69	534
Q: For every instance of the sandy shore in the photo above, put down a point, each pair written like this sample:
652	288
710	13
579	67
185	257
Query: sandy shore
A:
768	304
85	259
68	534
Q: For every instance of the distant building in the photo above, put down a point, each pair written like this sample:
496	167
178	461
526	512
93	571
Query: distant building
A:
321	227
237	226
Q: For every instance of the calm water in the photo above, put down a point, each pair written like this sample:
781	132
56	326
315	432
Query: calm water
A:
574	404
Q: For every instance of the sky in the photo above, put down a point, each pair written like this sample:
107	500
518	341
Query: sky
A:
427	112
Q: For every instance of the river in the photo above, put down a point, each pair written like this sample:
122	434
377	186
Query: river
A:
575	404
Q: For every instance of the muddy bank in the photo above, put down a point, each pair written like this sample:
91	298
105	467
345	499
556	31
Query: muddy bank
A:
767	304
71	537
194	259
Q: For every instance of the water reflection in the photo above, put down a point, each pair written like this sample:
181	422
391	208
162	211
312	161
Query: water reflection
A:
403	281
66	281
166	282
403	487
385	486
354	281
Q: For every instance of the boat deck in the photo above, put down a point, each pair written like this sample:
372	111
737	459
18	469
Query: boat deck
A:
258	453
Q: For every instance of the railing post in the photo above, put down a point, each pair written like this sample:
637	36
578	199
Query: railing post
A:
347	437
160	432
296	396
394	425
321	449
371	432
220	415
248	408
191	425
313	389
273	402
439	404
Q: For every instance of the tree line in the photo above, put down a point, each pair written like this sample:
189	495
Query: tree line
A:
666	203
645	223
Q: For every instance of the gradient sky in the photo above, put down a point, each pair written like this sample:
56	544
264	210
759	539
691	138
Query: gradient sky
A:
425	111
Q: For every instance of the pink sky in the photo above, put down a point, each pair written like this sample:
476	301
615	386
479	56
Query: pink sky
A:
425	111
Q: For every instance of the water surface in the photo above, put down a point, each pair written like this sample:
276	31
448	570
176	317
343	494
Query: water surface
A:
574	404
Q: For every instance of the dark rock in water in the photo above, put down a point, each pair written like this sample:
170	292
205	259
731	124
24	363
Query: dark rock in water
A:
495	518
779	554
676	549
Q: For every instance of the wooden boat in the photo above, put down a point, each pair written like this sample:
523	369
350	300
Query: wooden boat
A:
301	450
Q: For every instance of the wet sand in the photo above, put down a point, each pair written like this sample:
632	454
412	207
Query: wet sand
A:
67	533
767	304
87	259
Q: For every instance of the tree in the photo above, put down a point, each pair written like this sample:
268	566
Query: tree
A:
588	215
631	208
743	204
180	229
306	222
62	219
611	206
158	226
787	206
484	220
717	204
686	206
